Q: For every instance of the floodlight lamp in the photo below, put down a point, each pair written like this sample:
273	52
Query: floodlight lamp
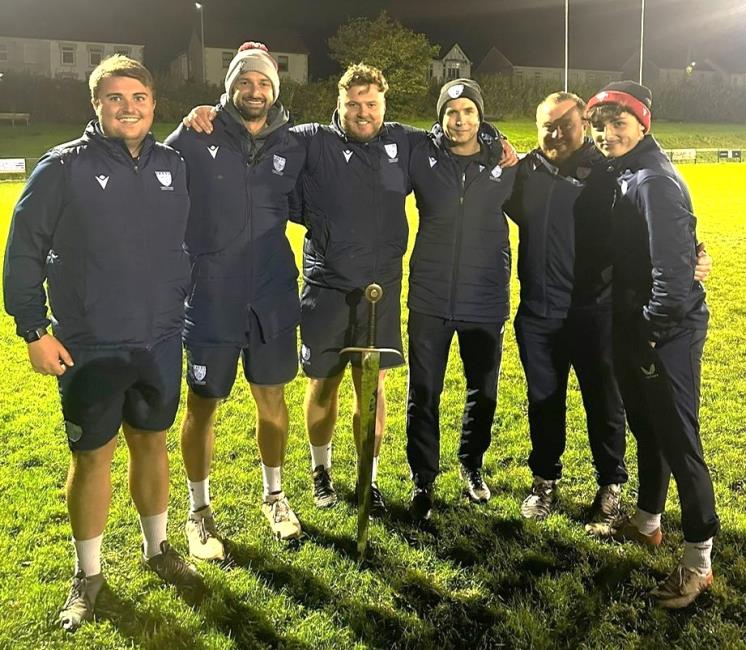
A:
198	5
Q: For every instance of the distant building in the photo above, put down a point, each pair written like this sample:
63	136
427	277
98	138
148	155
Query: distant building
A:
221	43
454	65
58	58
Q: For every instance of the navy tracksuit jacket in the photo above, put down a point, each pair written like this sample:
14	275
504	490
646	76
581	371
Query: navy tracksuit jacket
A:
241	259
564	316
656	300
106	232
458	282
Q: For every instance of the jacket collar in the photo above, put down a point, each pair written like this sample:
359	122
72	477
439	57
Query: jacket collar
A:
277	117
115	146
587	156
631	159
489	139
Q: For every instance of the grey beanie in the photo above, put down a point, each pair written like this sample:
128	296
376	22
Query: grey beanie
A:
457	88
256	57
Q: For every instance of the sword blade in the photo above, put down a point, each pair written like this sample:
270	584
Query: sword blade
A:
371	362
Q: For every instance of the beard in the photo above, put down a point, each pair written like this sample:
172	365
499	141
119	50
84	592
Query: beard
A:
252	112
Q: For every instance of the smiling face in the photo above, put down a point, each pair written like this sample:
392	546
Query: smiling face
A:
361	111
253	96
560	129
125	108
616	135
461	125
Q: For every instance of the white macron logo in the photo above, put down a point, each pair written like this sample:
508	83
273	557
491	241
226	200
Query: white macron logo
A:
433	161
347	154
213	149
102	181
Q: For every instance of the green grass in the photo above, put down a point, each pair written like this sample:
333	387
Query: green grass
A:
478	577
33	141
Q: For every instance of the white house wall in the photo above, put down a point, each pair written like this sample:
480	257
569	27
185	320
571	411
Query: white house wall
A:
218	59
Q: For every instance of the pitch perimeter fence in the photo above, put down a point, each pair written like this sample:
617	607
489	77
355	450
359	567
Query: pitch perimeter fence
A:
18	169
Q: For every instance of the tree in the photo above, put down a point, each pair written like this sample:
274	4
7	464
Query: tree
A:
403	55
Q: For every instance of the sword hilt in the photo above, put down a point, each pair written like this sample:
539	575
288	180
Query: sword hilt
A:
373	293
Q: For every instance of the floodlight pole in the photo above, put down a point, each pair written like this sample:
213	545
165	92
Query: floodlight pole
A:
200	8
642	36
567	33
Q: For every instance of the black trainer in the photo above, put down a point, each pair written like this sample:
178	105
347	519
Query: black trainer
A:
476	488
421	506
606	510
78	607
377	505
172	568
324	494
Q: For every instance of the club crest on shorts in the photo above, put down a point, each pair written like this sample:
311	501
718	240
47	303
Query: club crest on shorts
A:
456	91
278	162
391	151
199	373
164	178
74	431
305	353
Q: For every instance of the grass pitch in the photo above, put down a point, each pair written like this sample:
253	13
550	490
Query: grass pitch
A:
477	577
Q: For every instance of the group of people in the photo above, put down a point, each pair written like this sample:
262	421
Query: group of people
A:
145	246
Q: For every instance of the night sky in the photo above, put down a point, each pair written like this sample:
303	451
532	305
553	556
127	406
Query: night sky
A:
526	31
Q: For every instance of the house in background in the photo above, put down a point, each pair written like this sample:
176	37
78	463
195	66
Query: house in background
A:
454	65
60	58
221	43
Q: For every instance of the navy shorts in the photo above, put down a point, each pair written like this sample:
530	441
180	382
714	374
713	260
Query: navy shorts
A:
331	320
211	370
106	387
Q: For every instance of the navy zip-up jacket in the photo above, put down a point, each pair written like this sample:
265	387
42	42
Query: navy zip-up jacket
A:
655	244
460	266
241	198
353	200
106	232
563	213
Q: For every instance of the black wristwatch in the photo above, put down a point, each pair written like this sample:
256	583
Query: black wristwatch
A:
35	334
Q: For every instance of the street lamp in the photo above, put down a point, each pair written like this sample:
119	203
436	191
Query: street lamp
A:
199	7
642	35
567	26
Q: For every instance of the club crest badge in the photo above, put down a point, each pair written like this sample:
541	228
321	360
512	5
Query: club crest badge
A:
347	154
199	373
391	151
278	162
164	178
305	353
496	173
213	149
456	91
102	180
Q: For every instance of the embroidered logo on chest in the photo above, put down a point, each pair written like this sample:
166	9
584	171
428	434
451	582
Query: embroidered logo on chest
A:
496	173
102	180
391	151
164	178
347	153
278	164
432	161
213	149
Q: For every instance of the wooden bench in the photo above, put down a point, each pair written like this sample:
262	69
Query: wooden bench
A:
16	117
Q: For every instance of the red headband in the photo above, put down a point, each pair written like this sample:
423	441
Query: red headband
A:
630	102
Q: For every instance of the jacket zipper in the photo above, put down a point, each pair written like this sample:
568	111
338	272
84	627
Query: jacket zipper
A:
457	246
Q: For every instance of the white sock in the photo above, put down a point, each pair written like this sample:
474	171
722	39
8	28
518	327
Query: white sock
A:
88	555
271	480
698	556
374	475
321	455
199	494
153	533
646	522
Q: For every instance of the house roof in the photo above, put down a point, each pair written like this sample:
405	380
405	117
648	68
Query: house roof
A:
493	62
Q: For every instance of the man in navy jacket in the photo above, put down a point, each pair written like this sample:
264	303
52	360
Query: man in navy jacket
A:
244	296
458	284
660	325
102	220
